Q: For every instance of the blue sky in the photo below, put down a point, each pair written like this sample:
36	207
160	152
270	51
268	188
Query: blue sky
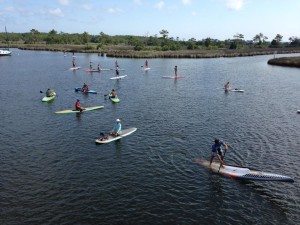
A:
185	19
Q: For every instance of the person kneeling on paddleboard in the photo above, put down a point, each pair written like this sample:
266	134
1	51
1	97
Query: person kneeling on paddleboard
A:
117	128
85	88
78	106
50	92
113	94
216	150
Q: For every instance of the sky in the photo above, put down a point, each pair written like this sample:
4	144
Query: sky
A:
185	19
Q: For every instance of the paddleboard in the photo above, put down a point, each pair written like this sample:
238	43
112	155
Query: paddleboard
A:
89	91
146	69
111	138
236	90
66	111
48	99
118	77
115	99
92	70
242	173
75	68
172	77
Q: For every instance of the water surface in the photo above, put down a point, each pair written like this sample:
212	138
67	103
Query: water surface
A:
53	173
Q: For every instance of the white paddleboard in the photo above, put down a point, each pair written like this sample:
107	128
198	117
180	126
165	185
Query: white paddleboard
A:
118	77
236	90
111	138
105	69
66	111
172	77
75	68
242	173
147	68
92	70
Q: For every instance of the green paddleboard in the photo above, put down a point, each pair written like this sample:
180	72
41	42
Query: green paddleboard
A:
115	99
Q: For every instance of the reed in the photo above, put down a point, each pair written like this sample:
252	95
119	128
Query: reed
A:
285	61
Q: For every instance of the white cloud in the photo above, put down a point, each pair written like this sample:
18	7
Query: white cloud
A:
235	4
138	2
87	7
194	13
9	9
159	5
114	10
56	12
64	2
186	2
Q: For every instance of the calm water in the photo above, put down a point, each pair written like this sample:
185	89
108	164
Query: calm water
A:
53	173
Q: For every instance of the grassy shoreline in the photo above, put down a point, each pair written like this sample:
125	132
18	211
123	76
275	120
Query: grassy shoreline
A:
285	61
125	52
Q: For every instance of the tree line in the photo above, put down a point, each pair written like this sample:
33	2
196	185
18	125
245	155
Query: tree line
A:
161	42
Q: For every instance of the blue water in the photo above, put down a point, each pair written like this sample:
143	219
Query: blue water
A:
52	172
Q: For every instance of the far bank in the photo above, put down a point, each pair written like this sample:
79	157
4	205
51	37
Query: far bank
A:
127	52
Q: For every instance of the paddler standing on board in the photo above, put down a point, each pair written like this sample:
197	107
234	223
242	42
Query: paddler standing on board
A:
117	71
146	63
216	150
73	62
226	87
175	71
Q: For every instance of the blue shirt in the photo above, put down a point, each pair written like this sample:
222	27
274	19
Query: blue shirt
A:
215	147
117	128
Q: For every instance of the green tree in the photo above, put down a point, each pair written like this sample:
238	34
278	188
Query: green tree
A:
294	41
85	37
278	38
260	39
164	33
207	42
276	41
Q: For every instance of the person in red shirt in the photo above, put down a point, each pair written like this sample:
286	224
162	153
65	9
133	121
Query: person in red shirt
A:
78	106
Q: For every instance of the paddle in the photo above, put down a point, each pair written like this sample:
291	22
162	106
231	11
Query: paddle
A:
223	157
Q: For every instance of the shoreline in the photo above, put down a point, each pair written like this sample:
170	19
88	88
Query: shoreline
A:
128	53
285	61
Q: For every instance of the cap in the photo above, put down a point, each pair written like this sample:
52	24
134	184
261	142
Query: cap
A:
118	120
